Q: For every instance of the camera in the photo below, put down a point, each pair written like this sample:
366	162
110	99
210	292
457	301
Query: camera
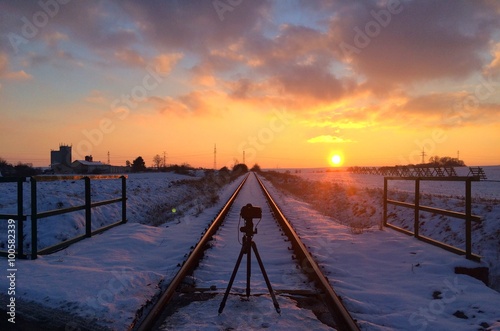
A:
249	212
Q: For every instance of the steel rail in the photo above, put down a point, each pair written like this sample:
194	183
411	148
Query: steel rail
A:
153	315
340	314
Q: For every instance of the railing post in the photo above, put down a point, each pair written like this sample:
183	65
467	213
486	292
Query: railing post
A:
384	221
88	211
124	199
20	218
34	225
468	219
416	223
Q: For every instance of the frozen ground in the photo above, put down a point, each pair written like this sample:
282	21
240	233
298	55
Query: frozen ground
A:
389	281
356	200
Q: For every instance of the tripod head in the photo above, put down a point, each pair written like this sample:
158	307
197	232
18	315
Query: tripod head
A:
248	213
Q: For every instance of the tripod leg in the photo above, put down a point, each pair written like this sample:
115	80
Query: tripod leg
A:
275	302
244	248
249	267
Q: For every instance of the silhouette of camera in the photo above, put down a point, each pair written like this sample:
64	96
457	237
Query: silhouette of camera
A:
249	212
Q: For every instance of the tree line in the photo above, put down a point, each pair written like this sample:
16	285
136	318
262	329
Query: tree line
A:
19	170
139	165
446	161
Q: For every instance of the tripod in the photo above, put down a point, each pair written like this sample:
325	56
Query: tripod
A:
249	244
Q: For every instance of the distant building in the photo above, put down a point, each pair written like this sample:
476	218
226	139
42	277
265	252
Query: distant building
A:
89	166
60	161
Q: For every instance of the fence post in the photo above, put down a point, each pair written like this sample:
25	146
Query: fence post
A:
88	211
34	225
124	199
416	224
385	203
468	219
20	218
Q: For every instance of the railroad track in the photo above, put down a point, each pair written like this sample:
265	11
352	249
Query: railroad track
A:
208	262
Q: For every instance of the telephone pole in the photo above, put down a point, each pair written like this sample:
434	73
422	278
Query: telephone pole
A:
164	159
215	156
423	156
243	157
109	162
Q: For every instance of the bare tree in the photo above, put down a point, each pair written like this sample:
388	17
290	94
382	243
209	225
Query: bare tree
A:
157	161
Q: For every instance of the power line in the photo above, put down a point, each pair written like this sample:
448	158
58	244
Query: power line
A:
423	156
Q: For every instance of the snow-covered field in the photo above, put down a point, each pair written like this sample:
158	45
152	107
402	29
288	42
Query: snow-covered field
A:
388	280
356	200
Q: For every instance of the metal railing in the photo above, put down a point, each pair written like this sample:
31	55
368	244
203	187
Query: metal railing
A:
467	216
19	217
37	215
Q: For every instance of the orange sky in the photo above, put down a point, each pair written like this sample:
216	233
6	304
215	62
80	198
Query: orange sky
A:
287	83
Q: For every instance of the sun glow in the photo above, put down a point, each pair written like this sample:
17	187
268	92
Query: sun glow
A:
336	160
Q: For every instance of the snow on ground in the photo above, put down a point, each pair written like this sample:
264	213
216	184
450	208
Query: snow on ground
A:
108	277
356	200
387	280
217	265
390	281
147	195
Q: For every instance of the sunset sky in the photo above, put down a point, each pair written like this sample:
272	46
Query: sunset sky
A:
290	83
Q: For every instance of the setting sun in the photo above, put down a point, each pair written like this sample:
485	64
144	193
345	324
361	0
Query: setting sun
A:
336	160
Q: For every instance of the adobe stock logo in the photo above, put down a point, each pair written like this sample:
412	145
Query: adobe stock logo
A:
221	7
464	108
363	38
40	19
253	144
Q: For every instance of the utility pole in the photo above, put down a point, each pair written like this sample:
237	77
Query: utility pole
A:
244	157
164	159
109	162
423	156
215	156
458	155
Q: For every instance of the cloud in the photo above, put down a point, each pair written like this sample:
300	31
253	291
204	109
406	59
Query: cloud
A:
20	75
340	124
97	97
194	25
53	38
4	62
265	58
164	63
328	139
198	102
493	68
129	57
6	74
425	40
310	81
